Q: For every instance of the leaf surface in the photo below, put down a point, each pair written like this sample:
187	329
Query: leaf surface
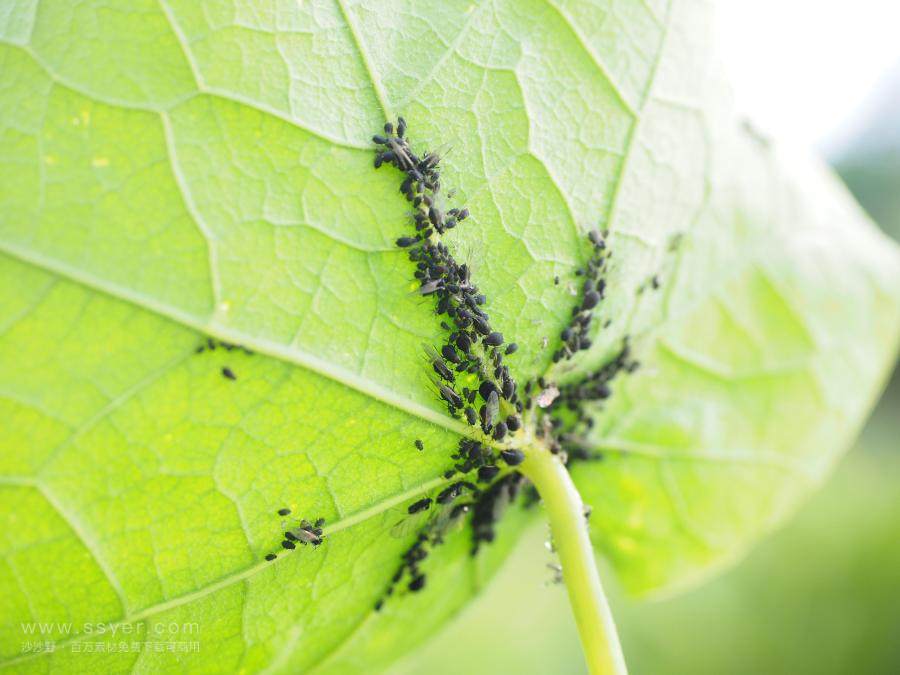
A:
174	169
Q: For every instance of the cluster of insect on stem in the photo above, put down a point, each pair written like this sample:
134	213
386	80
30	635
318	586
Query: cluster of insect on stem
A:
470	376
469	373
301	531
565	413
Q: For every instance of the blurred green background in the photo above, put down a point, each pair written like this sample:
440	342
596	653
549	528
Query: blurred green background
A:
821	595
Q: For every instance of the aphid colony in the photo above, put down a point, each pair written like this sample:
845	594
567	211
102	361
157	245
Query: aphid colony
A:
304	532
593	289
486	508
471	378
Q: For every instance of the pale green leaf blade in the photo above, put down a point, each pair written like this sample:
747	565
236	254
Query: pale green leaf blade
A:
196	168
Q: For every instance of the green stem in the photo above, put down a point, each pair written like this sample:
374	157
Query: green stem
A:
565	511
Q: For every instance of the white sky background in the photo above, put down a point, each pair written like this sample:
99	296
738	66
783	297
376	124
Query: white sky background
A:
803	69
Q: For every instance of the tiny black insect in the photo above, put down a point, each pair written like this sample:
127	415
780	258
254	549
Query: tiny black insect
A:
271	557
512	457
450	396
494	339
485	389
500	431
404	242
420	505
511	348
450	354
418	583
487	473
284	512
471	415
419	445
228	373
481	325
288	544
590	300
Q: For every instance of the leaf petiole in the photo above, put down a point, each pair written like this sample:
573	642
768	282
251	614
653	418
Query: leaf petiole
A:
565	511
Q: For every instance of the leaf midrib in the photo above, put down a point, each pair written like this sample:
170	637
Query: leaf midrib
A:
217	330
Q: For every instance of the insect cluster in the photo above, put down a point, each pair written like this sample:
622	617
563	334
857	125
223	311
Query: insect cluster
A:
210	345
304	533
568	414
593	289
471	377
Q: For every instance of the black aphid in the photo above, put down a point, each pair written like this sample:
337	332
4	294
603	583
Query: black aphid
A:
511	348
512	457
471	416
449	353
500	431
420	505
288	544
417	583
487	473
450	396
284	512
591	298
419	445
271	556
494	339
228	373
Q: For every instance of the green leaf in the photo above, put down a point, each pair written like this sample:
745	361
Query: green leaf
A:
171	169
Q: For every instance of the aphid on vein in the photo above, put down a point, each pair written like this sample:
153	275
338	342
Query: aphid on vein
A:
494	339
500	431
491	408
450	354
420	505
270	557
487	473
307	533
450	396
437	363
471	416
512	457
